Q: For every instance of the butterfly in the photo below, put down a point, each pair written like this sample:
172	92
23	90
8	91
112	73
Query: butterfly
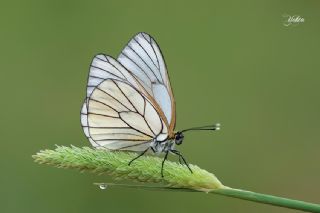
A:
129	103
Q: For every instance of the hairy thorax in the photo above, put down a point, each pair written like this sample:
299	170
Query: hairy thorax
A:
159	147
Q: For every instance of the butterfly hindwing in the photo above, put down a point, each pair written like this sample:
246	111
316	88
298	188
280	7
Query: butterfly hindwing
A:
118	117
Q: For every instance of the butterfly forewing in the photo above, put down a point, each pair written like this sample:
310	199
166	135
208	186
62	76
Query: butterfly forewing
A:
105	67
142	56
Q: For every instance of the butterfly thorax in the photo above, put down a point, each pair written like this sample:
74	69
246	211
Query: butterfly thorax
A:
159	146
162	146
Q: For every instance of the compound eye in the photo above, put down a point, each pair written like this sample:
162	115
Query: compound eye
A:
178	142
179	139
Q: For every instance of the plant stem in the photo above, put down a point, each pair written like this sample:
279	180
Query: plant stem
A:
235	193
268	199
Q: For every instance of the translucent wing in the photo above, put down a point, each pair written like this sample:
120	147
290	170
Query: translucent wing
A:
102	68
142	57
105	67
117	117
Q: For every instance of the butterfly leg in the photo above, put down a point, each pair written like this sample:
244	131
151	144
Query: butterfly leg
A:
142	153
154	151
162	165
180	156
180	160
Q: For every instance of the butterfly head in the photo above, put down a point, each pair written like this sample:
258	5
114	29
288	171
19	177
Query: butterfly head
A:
178	138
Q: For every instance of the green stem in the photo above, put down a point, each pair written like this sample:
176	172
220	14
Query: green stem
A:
268	199
235	193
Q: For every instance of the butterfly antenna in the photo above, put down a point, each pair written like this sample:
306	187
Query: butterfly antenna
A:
209	127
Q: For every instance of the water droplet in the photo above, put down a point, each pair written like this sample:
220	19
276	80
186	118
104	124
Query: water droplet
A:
103	186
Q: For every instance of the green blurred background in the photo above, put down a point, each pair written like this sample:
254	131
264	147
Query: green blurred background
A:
232	62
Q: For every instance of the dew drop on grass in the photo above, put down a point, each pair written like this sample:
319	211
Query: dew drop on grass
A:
103	186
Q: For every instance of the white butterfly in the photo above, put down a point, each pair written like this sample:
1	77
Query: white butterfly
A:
129	103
